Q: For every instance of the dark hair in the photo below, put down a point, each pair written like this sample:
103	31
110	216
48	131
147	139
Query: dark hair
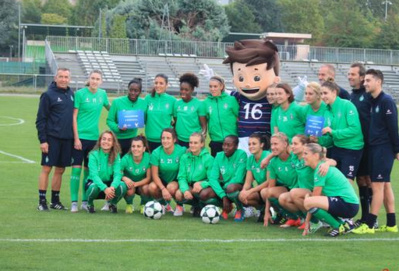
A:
170	130
287	90
137	81
331	85
234	138
254	52
262	139
376	74
115	150
189	78
162	75
93	71
362	69
143	139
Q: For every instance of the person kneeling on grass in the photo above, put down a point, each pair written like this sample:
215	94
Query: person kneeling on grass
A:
226	178
195	167
333	196
135	166
104	181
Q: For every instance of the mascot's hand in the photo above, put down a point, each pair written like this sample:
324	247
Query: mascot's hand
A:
206	72
299	90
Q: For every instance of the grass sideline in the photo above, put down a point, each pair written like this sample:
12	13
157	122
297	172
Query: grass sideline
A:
58	240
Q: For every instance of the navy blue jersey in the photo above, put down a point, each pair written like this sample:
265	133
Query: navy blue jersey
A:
344	94
55	113
384	122
362	100
254	116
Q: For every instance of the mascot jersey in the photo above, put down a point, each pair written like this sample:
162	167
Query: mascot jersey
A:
254	116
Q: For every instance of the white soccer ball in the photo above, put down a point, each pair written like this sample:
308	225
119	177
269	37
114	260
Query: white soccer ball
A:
153	210
210	214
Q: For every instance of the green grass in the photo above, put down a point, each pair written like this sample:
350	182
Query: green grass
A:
58	240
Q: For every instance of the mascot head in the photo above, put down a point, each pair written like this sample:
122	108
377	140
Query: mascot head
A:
255	66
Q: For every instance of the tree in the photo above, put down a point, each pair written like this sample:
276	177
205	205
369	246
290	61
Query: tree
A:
8	22
388	36
31	11
346	26
241	18
118	29
51	18
61	8
267	14
86	12
302	16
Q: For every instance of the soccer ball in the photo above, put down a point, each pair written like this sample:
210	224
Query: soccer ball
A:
153	210
210	214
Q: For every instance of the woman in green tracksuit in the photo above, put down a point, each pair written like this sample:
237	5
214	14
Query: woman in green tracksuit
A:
136	169
345	130
160	110
105	175
221	113
226	178
195	167
189	112
131	101
332	197
165	161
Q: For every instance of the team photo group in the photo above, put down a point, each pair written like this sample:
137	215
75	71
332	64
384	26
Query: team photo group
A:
311	156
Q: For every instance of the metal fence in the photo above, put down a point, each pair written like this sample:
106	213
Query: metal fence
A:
217	49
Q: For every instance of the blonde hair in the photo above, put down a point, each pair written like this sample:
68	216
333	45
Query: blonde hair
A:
315	87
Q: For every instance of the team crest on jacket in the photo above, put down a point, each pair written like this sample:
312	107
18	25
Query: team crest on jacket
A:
377	109
150	107
71	98
167	106
361	98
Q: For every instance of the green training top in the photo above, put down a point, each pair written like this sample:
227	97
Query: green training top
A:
305	173
226	171
89	105
273	119
326	139
194	168
159	115
168	165
101	171
290	121
124	104
254	166
283	172
346	129
222	114
335	184
136	172
187	118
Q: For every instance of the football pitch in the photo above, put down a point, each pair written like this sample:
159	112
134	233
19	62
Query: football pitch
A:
60	240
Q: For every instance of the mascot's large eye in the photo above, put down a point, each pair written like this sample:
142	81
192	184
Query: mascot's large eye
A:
241	79
257	78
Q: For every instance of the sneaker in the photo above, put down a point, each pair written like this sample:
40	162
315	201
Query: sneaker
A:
314	227
178	210
141	209
224	215
261	217
74	207
336	231
57	206
84	206
90	209
129	209
196	212
349	226
357	223
363	229
105	207
302	227
279	219
386	228
43	206
169	209
113	209
291	223
239	216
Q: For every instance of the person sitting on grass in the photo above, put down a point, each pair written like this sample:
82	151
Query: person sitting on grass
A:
333	196
195	167
226	179
136	169
104	181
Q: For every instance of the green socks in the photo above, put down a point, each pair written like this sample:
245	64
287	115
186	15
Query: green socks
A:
75	180
85	176
325	217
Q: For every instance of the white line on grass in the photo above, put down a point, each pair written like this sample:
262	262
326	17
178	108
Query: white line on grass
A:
19	121
280	240
18	157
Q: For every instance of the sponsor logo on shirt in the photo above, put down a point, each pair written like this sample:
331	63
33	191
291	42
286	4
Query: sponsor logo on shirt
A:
185	108
59	100
210	110
225	106
167	106
379	177
351	112
389	112
222	170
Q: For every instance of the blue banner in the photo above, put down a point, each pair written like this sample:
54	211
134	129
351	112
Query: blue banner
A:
131	119
314	125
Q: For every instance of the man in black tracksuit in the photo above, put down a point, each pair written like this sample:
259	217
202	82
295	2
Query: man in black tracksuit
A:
54	127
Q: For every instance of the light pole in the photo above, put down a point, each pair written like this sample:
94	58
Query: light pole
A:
386	3
11	46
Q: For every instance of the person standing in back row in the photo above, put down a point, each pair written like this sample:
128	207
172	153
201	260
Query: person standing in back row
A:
54	127
326	72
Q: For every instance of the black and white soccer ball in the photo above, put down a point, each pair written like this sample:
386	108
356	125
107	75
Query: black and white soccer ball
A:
153	210
210	214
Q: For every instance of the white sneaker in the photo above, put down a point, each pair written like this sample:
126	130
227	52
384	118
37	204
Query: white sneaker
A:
74	207
178	210
84	206
105	207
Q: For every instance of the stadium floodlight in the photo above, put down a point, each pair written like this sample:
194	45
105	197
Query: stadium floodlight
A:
386	3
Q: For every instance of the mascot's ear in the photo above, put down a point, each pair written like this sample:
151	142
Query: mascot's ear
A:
277	79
